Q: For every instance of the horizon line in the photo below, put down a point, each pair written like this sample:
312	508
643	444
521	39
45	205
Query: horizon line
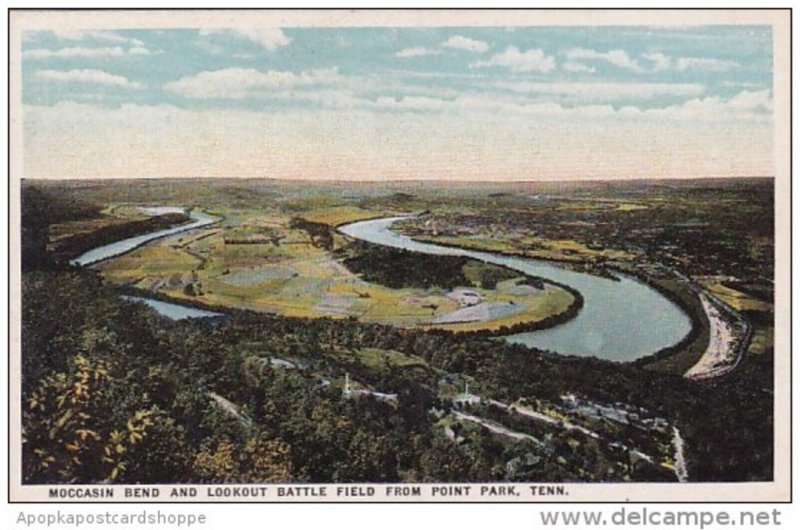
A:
401	181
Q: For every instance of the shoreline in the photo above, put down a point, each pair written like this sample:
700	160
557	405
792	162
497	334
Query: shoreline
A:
181	228
669	351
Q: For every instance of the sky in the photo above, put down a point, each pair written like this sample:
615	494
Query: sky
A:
460	103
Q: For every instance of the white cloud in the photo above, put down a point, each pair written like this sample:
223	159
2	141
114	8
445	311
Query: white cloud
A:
700	63
107	36
416	51
618	58
607	90
534	60
268	38
577	68
660	61
745	106
98	77
238	83
134	46
460	42
74	52
758	101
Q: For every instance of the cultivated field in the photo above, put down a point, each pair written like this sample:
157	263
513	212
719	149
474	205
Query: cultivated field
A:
259	261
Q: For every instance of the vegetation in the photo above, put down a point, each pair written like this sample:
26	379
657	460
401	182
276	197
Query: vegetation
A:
397	268
269	262
71	247
114	393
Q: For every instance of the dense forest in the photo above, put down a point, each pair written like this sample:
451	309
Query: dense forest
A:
112	392
397	268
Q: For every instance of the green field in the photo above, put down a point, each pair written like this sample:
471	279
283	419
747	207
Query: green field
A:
259	261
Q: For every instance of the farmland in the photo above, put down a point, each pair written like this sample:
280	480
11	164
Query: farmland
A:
265	262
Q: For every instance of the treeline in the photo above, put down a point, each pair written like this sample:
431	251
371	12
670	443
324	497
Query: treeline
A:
39	210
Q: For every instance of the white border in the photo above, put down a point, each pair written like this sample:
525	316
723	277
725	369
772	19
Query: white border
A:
775	491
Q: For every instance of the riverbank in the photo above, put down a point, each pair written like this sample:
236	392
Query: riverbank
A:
604	325
70	247
125	246
574	265
602	328
730	335
314	285
525	327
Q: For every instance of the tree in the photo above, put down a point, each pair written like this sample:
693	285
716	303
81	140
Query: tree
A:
68	437
257	461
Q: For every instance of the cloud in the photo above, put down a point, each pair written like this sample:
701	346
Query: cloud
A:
80	52
700	63
577	68
606	90
107	36
98	77
239	83
534	60
417	51
268	38
74	52
660	61
758	101
459	42
750	107
745	106
618	58
134	46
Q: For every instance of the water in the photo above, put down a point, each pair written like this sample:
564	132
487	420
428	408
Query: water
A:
173	311
126	245
620	320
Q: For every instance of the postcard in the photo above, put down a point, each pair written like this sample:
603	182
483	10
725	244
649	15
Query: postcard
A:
399	256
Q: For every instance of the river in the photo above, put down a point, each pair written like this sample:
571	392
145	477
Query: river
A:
620	320
112	250
126	245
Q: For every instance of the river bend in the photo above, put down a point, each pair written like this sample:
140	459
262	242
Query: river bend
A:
620	320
